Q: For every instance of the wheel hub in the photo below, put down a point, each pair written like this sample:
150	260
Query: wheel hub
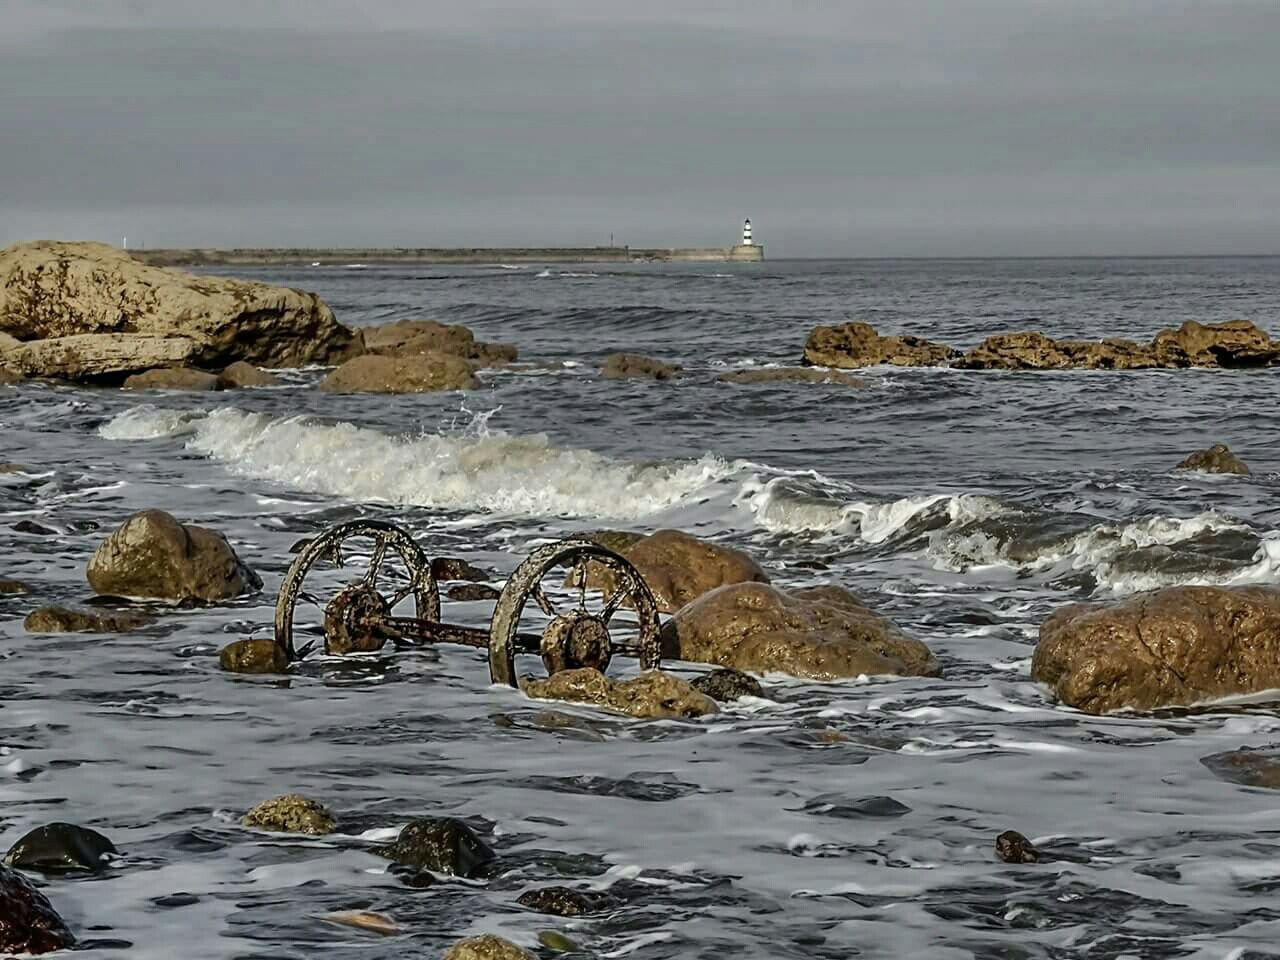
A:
351	621
574	640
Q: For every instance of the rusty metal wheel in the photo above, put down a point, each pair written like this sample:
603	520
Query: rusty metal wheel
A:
578	633
356	604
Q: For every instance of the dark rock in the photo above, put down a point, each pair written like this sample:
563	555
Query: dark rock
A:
454	568
440	844
565	901
473	591
1217	459
1249	767
240	374
631	366
291	813
253	655
28	922
61	848
63	620
855	345
1013	847
37	529
173	378
413	877
725	685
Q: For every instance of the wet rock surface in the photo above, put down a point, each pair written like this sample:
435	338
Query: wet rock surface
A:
473	591
240	375
1216	459
253	655
455	568
173	378
67	620
1013	847
792	375
1250	767
407	338
726	685
619	541
28	922
652	695
854	345
487	947
633	366
1173	647
291	813
420	373
441	844
822	633
565	901
61	848
8	586
153	555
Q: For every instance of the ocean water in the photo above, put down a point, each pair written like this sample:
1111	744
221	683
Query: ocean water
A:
964	505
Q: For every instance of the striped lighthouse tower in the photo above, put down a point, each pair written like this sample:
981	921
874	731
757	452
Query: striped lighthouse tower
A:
746	232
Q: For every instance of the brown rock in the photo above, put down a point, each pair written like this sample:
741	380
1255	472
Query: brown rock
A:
28	922
632	366
291	813
823	633
653	694
173	378
1250	767
241	374
455	568
725	685
13	586
1174	647
792	375
494	354
416	374
52	289
102	357
406	338
1035	351
565	901
473	591
858	345
7	343
64	620
152	555
619	541
1235	343
487	947
1217	459
253	655
1013	847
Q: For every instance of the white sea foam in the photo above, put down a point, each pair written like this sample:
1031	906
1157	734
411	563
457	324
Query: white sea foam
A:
149	422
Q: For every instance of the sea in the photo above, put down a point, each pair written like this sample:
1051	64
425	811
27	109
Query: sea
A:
831	820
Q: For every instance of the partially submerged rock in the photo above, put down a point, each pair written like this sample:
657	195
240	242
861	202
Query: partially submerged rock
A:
822	633
28	922
421	373
291	813
362	920
473	591
487	947
1013	847
455	568
1217	459
61	848
854	345
1173	647
253	655
240	374
173	378
153	555
632	366
565	901
8	586
792	375
726	685
1248	766
619	541
55	619
100	356
406	338
652	695
440	844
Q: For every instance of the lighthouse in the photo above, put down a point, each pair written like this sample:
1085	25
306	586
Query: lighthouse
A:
748	251
746	232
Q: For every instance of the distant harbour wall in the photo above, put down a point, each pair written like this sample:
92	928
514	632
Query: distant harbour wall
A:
343	256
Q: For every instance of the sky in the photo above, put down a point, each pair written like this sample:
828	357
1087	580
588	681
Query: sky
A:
841	127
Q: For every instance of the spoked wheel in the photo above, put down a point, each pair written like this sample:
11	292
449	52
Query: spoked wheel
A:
345	585
576	628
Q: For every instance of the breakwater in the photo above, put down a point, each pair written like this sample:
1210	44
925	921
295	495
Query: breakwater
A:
341	256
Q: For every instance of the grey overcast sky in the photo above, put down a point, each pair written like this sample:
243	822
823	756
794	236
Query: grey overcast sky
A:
841	127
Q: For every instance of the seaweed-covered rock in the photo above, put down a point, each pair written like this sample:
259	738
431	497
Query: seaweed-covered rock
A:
153	555
65	620
565	901
791	375
253	655
632	366
1217	459
240	374
854	345
473	591
653	694
61	848
28	922
725	684
420	373
1013	847
173	378
291	813
487	947
823	633
441	844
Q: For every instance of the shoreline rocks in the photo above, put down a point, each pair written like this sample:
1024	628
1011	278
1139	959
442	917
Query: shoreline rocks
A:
1217	459
172	378
408	338
854	345
420	373
652	695
633	366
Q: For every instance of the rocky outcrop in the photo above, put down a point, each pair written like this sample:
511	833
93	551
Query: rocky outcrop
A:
1233	344
153	555
792	375
440	844
88	310
61	848
291	813
653	694
420	373
1174	647
822	633
487	947
253	655
1217	459
407	338
65	620
28	922
853	345
632	366
726	685
173	378
1013	847
240	374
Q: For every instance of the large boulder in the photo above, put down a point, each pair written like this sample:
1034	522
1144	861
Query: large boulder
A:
821	633
652	695
99	356
61	848
28	922
242	374
173	378
487	947
291	813
420	373
1173	647
1234	343
153	555
407	338
853	345
54	290
1217	459
441	844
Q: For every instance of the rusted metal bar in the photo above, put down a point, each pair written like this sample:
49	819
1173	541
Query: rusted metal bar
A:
431	631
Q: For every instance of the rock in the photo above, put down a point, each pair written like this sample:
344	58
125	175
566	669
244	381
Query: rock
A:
64	620
822	633
454	568
152	555
417	374
440	844
557	942
653	694
619	541
28	922
792	375
36	529
61	848
13	586
1232	344
1217	459
52	290
362	920
241	374
7	343
473	591
406	338
487	947
1248	766
494	354
1013	847
253	655
105	357
859	345
10	377
726	685
1173	647
632	366
291	813
173	378
565	901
